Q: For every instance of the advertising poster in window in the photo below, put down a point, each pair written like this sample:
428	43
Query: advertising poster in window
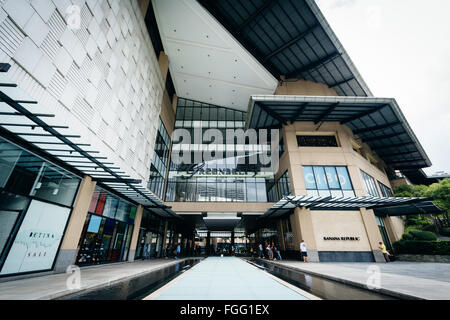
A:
38	239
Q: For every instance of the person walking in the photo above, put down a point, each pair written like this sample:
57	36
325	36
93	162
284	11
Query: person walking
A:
278	252
385	253
304	251
269	252
261	251
178	251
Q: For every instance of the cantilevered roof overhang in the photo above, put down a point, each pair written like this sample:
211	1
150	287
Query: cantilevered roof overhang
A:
378	122
22	117
291	38
381	206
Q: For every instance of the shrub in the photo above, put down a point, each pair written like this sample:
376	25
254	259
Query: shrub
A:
429	227
407	236
411	222
423	235
422	247
445	232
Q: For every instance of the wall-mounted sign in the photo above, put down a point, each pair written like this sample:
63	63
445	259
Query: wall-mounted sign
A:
317	141
341	238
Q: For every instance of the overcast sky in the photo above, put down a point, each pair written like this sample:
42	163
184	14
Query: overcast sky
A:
402	50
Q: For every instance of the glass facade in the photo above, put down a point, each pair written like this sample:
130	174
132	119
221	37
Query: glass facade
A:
36	198
228	179
384	234
370	185
160	161
280	189
288	235
107	230
328	181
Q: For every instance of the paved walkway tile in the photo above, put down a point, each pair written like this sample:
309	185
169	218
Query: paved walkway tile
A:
54	286
227	278
429	281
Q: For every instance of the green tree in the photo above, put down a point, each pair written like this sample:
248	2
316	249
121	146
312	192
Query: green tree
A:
439	191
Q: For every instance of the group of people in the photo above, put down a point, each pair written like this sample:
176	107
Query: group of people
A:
273	252
174	250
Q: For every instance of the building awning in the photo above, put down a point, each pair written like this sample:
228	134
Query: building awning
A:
381	206
379	122
292	39
29	120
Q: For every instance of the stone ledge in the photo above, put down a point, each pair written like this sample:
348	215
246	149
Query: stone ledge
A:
423	258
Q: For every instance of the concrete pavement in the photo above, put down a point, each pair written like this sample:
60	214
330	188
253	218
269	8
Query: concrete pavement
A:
55	286
430	281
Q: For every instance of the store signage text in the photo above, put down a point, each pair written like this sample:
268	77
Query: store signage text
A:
341	238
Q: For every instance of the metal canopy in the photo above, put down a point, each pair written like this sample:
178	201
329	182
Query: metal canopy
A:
290	38
379	122
381	206
28	124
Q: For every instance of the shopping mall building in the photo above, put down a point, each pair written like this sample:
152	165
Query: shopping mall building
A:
130	126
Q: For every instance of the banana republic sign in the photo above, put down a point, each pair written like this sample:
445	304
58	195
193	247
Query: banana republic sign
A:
341	238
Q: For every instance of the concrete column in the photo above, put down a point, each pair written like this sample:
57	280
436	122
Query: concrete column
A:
135	236
69	247
281	235
166	226
143	4
391	230
163	64
373	233
302	229
208	243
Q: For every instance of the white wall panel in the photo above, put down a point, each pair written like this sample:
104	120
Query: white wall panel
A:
98	79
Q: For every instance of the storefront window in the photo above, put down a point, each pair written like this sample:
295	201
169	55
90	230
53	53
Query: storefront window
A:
36	199
151	234
326	181
287	233
108	229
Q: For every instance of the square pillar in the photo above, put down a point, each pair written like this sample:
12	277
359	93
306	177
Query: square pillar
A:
373	233
69	246
134	237
302	229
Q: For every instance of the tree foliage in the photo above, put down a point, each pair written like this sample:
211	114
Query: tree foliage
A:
440	191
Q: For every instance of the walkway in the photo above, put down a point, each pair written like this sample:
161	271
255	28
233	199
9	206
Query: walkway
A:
429	281
228	278
54	286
